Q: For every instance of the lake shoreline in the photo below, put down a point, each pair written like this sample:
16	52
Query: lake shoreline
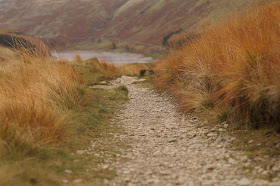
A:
116	58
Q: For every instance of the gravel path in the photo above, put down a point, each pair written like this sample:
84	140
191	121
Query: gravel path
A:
168	149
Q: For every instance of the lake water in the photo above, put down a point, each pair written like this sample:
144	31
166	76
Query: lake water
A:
116	58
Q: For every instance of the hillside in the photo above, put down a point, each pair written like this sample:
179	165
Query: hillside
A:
130	20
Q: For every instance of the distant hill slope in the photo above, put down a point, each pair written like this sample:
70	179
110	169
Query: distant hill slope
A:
141	20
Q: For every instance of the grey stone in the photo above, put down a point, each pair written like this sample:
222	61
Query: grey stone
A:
244	181
68	171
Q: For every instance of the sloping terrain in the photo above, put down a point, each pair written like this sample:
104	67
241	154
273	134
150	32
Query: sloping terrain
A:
150	21
146	21
50	19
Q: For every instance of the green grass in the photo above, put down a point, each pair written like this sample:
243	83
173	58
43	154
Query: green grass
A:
88	72
86	123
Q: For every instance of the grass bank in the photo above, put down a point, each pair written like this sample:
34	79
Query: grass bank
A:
49	115
231	73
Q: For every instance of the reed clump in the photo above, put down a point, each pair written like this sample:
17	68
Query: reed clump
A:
232	69
34	91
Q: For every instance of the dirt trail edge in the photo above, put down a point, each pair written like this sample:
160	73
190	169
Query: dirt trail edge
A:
168	149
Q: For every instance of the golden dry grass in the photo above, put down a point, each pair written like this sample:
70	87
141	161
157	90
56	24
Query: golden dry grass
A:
234	66
47	114
36	92
24	44
31	89
7	54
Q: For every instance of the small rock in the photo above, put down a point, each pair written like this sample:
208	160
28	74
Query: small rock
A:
65	181
251	141
219	140
232	139
211	134
231	161
107	182
226	125
153	181
265	172
105	166
244	181
102	83
81	152
260	170
149	173
213	130
77	181
164	173
209	182
244	159
275	168
68	171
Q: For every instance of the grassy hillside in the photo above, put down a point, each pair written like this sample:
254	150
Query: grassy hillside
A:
63	18
150	21
127	20
231	72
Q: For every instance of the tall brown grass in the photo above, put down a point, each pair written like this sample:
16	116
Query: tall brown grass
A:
32	93
177	41
233	69
24	44
7	54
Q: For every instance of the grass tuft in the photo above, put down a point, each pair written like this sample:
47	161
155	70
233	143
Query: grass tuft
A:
30	93
233	65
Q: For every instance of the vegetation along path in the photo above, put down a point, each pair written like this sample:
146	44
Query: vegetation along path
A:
169	149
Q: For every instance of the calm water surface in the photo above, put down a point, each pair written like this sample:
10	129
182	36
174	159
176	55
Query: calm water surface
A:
110	57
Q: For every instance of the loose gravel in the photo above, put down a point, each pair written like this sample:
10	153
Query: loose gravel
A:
170	149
